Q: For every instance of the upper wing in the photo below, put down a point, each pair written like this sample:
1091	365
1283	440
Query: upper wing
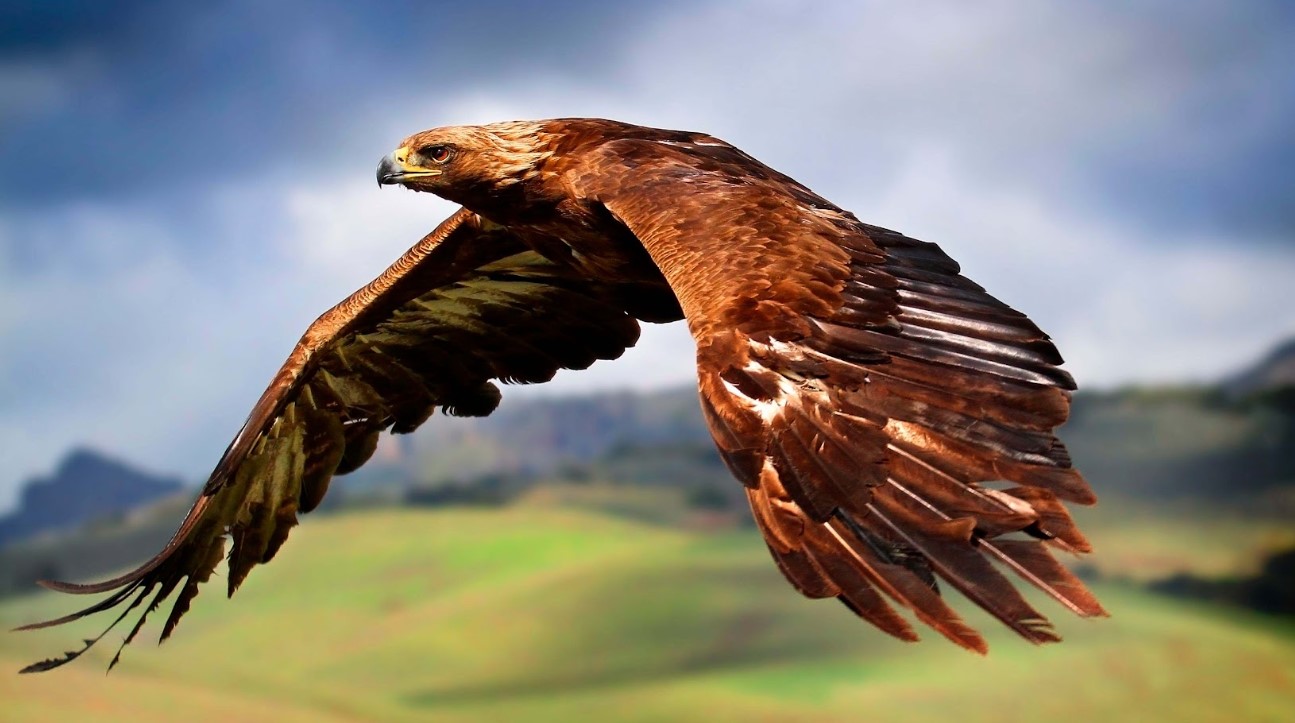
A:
862	390
467	304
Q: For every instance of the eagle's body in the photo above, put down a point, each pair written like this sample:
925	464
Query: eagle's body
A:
868	396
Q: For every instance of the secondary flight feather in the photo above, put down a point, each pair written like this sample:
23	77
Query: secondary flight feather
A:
892	423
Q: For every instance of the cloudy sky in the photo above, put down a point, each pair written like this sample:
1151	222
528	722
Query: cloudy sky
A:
182	191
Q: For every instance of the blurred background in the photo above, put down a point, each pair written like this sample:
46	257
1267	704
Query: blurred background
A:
184	188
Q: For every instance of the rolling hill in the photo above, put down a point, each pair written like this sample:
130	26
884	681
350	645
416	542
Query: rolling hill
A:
535	612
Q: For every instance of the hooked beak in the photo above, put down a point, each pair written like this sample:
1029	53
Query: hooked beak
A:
395	168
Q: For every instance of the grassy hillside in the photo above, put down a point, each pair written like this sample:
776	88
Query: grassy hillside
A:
538	613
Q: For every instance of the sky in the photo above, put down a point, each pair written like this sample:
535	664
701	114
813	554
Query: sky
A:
184	189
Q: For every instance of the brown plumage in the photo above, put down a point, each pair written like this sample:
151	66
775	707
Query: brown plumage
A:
869	397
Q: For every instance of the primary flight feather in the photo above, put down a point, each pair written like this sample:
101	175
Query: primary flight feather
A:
891	422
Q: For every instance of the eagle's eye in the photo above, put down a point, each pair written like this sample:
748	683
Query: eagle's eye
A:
437	154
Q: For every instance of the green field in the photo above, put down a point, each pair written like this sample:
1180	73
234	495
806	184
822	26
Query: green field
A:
540	613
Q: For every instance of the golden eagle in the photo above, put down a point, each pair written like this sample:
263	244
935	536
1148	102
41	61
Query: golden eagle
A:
892	422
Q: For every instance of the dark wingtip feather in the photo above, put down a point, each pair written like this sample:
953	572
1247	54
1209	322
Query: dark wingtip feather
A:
58	586
77	588
52	663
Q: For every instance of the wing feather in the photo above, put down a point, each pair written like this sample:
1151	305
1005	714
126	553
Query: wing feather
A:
865	392
464	306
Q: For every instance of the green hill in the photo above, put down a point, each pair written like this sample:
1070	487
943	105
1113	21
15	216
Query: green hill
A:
539	613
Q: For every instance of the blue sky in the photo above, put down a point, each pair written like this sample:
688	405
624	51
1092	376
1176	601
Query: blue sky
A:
182	191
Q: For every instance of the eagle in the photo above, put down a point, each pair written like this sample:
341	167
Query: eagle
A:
891	422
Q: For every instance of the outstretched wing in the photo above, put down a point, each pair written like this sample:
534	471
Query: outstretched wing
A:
469	303
892	422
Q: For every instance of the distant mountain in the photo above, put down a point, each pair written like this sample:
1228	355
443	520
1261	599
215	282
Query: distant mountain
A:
1275	371
86	486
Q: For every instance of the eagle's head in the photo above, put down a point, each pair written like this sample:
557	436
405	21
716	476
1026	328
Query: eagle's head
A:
471	165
